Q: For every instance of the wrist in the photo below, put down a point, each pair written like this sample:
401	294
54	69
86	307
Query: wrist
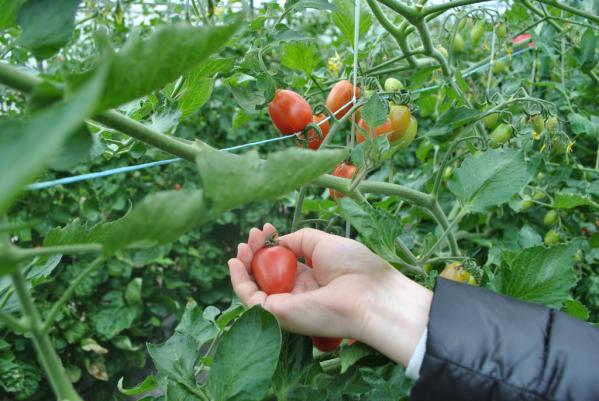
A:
396	316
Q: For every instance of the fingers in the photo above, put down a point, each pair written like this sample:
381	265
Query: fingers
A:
303	242
245	255
243	285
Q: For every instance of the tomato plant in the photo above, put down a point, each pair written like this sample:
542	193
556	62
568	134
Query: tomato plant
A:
289	112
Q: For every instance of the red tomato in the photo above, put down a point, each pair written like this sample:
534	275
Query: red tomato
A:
380	130
521	39
314	140
326	344
343	170
289	111
341	94
308	261
274	269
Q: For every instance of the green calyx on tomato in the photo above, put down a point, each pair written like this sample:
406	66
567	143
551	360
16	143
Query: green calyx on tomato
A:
552	237
393	85
340	96
343	170
501	134
289	112
550	218
326	344
458	43
477	32
275	268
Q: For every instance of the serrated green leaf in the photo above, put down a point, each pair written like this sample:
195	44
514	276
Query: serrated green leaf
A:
540	275
489	179
146	65
457	117
351	354
575	308
175	359
305	4
570	201
27	145
374	111
230	180
196	92
75	149
301	56
295	361
581	125
47	25
343	18
194	325
246	358
145	386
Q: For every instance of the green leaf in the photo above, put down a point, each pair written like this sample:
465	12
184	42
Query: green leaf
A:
343	18
11	376
540	275
75	149
255	179
570	201
575	308
581	125
9	10
175	359
115	316
489	179
133	291
143	66
588	44
352	354
194	325
36	273
457	117
147	385
378	228
375	111
301	56
295	360
27	145
47	25
246	359
305	4
195	94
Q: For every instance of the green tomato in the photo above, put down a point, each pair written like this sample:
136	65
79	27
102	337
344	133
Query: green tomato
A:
491	120
538	123
540	176
447	173
550	218
458	43
526	202
501	134
551	124
477	32
499	67
501	30
578	257
539	195
393	85
552	237
443	51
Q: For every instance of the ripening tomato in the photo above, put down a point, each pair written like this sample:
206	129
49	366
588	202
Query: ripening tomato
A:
343	170
326	344
274	269
409	136
338	101
289	111
455	271
380	130
314	140
400	120
501	134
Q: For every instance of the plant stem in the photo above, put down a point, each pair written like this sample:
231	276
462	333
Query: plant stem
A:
406	251
67	294
571	10
455	221
439	8
24	253
49	359
297	214
17	325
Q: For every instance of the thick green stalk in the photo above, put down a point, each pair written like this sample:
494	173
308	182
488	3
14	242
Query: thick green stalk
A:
571	10
24	253
49	359
439	8
17	325
297	214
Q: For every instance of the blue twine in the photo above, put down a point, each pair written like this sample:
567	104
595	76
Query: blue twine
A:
128	169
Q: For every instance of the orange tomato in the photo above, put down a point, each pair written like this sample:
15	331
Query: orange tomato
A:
339	97
385	129
343	170
400	120
314	141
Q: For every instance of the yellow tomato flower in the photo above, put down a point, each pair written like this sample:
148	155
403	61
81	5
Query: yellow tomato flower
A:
570	146
536	135
334	64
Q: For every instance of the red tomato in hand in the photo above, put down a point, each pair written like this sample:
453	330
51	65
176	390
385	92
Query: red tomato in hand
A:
326	344
384	129
274	269
343	170
289	111
314	140
341	94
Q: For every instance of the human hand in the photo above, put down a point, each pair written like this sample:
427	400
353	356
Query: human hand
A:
349	292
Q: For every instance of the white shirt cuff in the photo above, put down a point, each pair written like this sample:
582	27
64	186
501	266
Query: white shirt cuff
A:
413	369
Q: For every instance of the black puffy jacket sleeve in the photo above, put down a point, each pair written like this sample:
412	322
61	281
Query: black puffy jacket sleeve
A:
484	346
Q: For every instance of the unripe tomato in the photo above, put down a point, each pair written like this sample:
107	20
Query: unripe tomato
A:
314	141
477	32
537	122
550	218
455	271
384	129
578	257
552	237
289	111
343	170
526	202
458	43
551	124
409	136
540	176
443	51
501	30
341	94
491	120
326	344
400	120
274	269
501	134
393	85
499	67
447	173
